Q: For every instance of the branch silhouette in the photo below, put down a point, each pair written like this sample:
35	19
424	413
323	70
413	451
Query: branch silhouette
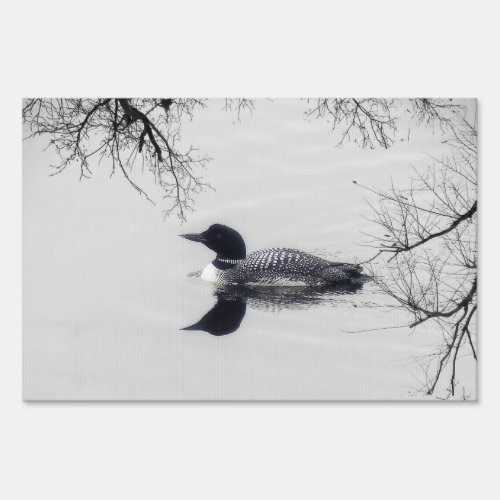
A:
374	122
132	133
428	230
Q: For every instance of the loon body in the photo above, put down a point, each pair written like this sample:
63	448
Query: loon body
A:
271	266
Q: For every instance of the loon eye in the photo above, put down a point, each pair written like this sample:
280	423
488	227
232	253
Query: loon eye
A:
218	236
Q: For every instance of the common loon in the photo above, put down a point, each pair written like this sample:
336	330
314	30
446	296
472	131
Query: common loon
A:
271	266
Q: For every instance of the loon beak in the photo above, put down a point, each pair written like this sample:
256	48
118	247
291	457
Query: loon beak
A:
194	327
194	237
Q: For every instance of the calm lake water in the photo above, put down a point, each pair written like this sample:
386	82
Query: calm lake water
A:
108	285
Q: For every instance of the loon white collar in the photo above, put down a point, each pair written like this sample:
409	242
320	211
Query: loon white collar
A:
230	261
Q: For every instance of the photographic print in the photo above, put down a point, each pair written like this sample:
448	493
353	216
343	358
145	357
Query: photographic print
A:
309	249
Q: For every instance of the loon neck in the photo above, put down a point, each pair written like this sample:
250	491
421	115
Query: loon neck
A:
223	263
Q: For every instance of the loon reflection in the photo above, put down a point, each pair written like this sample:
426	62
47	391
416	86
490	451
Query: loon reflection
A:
227	314
224	318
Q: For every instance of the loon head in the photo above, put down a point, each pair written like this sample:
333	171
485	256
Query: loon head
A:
225	241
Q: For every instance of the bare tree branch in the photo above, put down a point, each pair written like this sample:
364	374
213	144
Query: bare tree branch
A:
373	122
429	231
123	130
